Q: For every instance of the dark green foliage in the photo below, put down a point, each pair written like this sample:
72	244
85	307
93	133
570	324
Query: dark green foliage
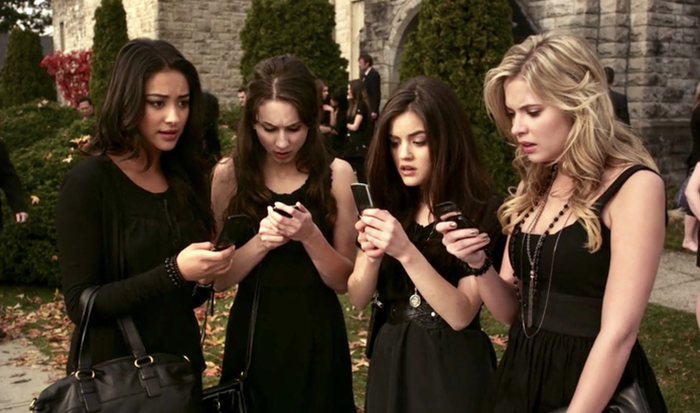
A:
23	80
110	36
458	41
28	14
21	126
300	27
28	252
230	115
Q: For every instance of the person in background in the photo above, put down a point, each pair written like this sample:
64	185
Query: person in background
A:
281	176
212	146
619	100
372	80
85	107
359	128
691	223
242	93
12	187
430	354
338	121
326	109
692	190
133	218
588	212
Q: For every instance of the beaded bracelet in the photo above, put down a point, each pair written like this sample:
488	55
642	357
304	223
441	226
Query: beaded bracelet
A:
481	270
174	272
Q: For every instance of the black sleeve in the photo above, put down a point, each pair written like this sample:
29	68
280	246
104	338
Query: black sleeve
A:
81	231
694	156
373	86
492	226
624	111
9	181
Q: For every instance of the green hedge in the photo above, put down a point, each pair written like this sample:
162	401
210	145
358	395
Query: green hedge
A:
28	252
303	28
458	41
22	126
110	36
23	80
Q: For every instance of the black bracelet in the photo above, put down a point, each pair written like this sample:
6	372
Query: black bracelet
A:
481	270
174	272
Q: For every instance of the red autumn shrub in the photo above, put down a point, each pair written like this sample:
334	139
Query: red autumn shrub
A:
71	71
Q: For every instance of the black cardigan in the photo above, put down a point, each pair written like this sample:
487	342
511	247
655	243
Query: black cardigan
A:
89	243
10	184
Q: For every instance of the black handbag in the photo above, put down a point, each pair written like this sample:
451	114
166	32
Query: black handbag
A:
232	397
628	400
141	382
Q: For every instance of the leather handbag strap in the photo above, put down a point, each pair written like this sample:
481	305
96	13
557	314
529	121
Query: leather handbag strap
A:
253	320
84	357
132	337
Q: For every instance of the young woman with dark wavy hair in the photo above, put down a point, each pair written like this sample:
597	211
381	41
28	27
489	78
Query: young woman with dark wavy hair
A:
428	351
133	217
301	361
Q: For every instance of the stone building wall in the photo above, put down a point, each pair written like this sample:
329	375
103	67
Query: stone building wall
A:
653	46
207	33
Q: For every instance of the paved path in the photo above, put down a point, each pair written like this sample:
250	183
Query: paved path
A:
677	286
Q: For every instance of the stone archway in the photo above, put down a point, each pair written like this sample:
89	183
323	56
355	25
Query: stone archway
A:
404	23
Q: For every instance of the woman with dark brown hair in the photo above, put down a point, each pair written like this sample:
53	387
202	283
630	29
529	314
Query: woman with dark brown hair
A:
430	354
302	254
358	127
133	218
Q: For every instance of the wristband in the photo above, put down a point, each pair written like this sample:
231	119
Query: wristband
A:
481	270
174	272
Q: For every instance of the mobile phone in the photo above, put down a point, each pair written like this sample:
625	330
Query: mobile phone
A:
363	198
284	213
448	211
237	228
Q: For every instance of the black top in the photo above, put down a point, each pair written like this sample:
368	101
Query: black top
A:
9	182
542	364
619	102
100	212
694	157
372	83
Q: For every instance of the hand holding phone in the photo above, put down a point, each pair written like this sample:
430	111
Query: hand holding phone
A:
448	211
362	195
237	228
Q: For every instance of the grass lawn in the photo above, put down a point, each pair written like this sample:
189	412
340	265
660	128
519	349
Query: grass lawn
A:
670	338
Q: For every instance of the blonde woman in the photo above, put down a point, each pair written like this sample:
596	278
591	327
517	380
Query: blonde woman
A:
586	229
692	191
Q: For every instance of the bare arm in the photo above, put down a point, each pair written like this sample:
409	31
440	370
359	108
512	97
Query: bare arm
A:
636	217
692	191
223	188
355	125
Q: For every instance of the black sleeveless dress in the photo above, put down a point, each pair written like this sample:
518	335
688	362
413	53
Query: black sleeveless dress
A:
419	363
301	359
539	373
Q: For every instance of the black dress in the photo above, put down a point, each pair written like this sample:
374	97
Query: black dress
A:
540	373
358	141
419	363
301	360
148	229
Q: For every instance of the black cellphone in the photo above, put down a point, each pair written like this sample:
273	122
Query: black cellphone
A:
236	229
448	211
363	198
284	213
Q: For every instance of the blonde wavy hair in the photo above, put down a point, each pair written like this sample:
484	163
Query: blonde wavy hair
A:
563	70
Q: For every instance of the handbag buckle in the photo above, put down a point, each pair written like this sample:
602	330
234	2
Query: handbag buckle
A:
84	374
32	405
143	361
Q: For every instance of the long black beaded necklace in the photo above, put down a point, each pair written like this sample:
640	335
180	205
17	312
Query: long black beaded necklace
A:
534	256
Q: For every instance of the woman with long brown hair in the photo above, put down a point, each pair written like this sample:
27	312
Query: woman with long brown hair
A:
282	178
429	354
358	127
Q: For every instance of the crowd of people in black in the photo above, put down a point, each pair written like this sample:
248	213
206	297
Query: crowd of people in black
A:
552	260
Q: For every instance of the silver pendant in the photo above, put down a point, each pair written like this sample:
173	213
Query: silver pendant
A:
414	300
